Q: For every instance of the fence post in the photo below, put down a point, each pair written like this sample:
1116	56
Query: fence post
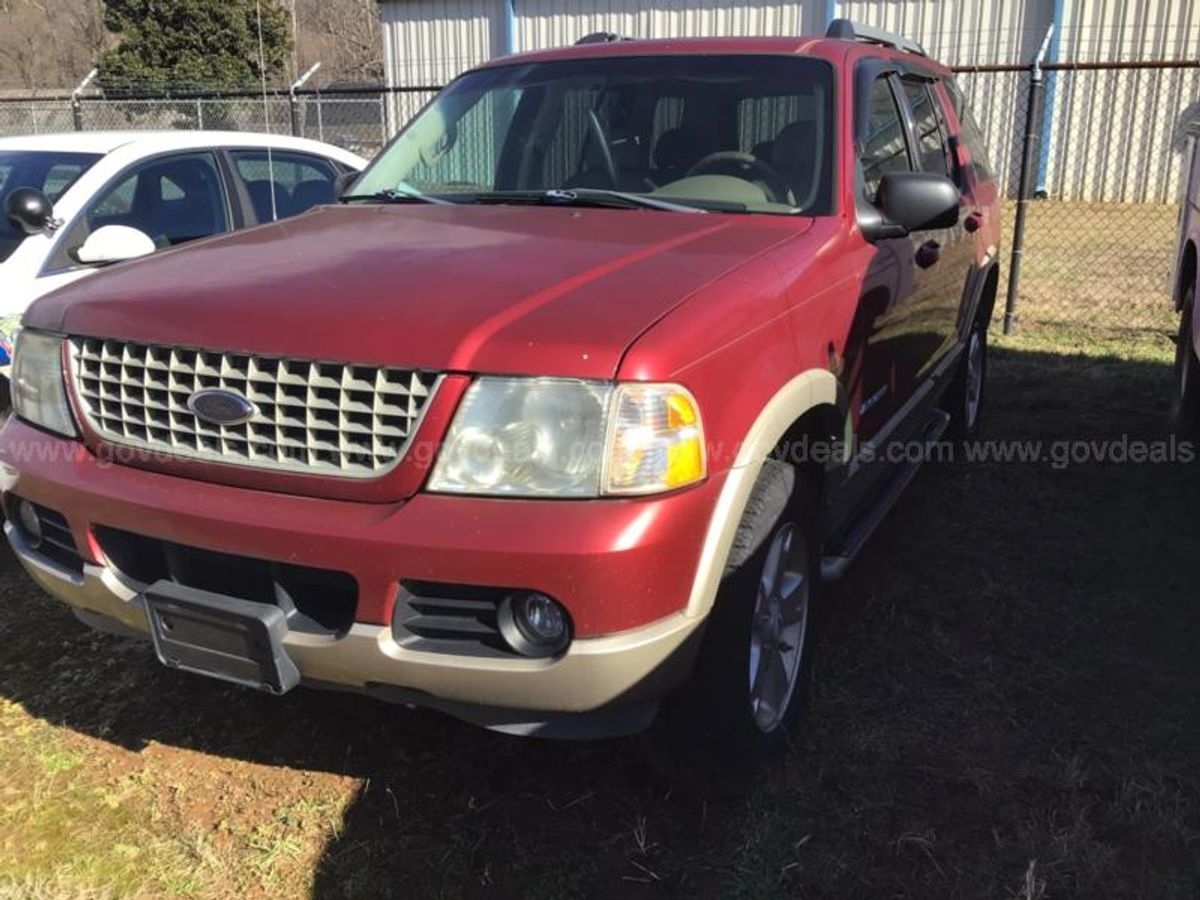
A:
1029	160
297	126
77	100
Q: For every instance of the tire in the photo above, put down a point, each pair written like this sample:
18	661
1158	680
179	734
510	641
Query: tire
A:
965	398
1187	371
749	688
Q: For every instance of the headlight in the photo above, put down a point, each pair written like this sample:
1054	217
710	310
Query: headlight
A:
551	437
38	390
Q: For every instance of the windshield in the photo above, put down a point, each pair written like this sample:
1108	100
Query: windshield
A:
50	173
722	133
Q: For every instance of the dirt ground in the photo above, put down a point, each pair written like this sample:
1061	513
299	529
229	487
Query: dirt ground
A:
1004	705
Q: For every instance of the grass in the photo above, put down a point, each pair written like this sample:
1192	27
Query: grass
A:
1103	268
1004	706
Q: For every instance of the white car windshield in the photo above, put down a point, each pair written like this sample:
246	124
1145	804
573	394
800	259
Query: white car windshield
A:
49	172
684	132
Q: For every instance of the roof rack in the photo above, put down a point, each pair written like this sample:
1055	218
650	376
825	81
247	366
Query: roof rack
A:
846	30
601	37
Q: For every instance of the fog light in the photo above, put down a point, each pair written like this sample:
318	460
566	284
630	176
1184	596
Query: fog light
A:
534	624
31	525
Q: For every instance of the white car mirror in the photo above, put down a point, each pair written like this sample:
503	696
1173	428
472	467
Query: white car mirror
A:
114	243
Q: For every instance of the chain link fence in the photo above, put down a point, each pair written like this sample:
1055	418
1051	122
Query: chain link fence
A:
359	121
1106	158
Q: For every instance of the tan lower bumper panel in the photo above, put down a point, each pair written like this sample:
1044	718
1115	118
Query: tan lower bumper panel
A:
601	687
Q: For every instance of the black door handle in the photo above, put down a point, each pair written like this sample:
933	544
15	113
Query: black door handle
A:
928	254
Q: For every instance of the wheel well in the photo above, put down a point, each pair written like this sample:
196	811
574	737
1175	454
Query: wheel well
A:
987	299
1187	273
801	447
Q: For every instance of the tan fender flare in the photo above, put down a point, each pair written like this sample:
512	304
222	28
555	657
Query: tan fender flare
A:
804	393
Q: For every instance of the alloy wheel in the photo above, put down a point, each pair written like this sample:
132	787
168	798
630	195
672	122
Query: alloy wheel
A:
779	628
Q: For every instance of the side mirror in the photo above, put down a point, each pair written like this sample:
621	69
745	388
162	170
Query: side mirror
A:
113	244
30	210
342	183
918	201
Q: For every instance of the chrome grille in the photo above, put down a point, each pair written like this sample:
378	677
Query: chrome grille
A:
314	417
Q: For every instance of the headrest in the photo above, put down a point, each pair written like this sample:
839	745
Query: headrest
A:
795	146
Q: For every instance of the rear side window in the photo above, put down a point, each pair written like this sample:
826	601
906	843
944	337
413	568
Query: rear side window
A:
284	184
885	149
927	127
971	133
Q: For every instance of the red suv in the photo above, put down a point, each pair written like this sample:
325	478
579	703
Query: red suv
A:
563	412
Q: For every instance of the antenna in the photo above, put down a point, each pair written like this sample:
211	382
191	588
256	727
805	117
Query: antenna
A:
262	71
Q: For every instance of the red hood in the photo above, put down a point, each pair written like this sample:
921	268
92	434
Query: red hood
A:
506	289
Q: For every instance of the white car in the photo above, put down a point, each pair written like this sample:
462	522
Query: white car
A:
72	203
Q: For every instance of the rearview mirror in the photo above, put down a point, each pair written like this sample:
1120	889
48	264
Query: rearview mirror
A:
918	201
30	210
113	244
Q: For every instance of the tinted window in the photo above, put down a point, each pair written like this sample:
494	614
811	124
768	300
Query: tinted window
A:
927	128
172	199
639	125
885	149
50	173
285	184
971	133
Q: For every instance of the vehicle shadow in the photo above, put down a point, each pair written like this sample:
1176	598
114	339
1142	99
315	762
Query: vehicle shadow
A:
1015	650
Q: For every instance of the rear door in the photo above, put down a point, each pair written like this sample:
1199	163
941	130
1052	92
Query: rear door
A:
282	183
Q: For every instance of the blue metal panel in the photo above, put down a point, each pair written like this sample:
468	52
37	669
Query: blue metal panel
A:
508	26
1052	55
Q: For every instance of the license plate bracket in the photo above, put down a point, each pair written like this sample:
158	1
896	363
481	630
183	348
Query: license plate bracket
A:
221	637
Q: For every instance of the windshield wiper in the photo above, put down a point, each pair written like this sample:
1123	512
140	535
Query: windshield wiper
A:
583	197
600	197
395	195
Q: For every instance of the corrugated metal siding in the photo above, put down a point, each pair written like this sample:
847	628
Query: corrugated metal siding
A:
552	23
1117	136
960	32
427	42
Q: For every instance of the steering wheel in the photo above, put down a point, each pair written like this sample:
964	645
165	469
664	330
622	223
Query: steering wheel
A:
748	167
610	165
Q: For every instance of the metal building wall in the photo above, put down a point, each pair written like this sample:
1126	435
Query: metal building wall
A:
960	32
549	23
429	42
1117	136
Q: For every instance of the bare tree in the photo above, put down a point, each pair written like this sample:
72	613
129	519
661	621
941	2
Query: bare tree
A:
343	35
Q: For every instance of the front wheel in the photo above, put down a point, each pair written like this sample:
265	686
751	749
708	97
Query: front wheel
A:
1187	371
748	689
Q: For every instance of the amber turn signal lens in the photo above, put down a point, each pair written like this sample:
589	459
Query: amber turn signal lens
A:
656	440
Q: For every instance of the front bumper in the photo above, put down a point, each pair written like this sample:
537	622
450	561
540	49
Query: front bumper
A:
625	560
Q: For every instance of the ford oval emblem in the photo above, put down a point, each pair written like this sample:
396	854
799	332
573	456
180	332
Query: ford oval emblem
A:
218	406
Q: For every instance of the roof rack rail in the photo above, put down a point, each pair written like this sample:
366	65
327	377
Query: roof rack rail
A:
846	30
601	37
